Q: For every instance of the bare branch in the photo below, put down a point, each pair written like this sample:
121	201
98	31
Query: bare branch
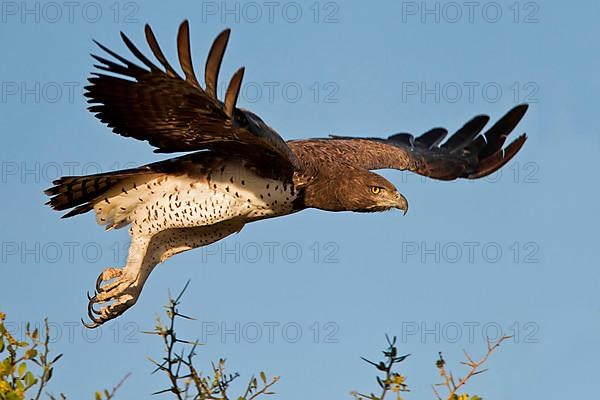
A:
449	383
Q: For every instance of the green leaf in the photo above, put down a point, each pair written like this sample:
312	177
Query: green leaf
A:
1	344
49	374
30	353
56	358
12	396
98	396
30	380
263	377
22	369
5	367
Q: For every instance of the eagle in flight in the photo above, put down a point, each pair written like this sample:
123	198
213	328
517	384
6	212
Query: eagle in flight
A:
238	169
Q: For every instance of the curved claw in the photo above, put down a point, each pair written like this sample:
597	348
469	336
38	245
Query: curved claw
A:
91	312
105	276
96	321
99	282
92	325
117	295
96	316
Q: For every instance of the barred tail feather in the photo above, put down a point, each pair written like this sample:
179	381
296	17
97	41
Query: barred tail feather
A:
80	193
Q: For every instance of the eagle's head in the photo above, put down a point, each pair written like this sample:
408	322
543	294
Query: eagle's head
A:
354	190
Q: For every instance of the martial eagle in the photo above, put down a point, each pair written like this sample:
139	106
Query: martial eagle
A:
238	169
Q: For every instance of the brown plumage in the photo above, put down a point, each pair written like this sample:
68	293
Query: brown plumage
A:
238	169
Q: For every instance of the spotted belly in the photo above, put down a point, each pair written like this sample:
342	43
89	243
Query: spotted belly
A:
201	196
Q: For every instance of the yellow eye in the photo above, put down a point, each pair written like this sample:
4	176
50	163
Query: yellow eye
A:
375	190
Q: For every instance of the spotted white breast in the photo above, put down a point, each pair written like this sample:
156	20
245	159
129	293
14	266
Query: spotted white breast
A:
199	197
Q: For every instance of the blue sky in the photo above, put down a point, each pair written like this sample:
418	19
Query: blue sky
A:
305	296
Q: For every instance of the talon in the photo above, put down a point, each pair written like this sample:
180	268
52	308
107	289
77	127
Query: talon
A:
106	275
91	325
99	282
119	294
92	313
97	321
98	313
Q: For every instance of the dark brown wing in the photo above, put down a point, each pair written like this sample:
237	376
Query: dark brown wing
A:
176	114
466	154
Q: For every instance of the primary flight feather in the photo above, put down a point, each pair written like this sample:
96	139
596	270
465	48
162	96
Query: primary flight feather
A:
238	169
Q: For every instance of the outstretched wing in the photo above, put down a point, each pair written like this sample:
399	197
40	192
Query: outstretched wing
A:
176	114
466	154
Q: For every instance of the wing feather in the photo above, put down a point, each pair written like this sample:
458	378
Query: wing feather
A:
233	91
136	52
213	62
176	114
184	53
432	137
466	134
466	154
130	68
498	159
156	50
497	134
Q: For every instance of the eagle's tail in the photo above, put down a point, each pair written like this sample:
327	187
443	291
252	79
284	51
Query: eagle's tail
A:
81	192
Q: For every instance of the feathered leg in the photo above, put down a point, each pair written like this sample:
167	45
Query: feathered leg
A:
121	287
118	289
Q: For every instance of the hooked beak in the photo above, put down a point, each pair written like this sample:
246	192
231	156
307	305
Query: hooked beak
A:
401	203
